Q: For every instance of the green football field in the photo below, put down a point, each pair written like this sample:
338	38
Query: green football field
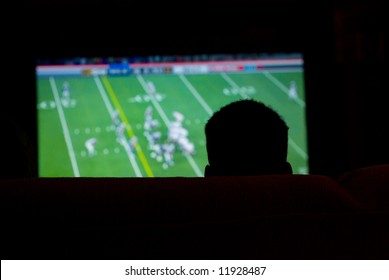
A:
63	129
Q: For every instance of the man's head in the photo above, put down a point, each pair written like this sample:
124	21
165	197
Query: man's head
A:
246	137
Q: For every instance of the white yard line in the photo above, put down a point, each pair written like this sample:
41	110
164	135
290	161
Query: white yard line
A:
196	94
111	112
234	85
282	87
165	119
298	149
104	96
65	128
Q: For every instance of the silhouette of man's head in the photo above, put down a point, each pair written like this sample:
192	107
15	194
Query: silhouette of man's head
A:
246	137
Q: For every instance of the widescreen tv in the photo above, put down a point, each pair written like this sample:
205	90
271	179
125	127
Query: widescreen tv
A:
144	116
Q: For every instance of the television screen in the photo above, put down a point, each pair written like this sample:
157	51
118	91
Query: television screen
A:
145	116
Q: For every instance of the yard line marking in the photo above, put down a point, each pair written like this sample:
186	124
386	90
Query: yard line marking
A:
104	96
201	100
282	87
111	112
194	165
165	119
298	149
128	126
196	94
65	128
234	85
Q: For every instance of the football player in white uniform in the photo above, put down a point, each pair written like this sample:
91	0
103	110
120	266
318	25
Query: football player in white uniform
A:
90	146
292	90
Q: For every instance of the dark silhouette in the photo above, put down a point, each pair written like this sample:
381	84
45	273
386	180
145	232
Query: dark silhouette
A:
17	157
246	137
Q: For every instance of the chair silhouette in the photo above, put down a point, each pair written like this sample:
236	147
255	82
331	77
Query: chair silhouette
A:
369	185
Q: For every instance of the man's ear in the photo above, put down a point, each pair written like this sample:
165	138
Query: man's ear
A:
288	168
208	171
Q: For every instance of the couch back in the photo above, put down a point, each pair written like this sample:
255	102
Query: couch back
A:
160	200
264	217
369	185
